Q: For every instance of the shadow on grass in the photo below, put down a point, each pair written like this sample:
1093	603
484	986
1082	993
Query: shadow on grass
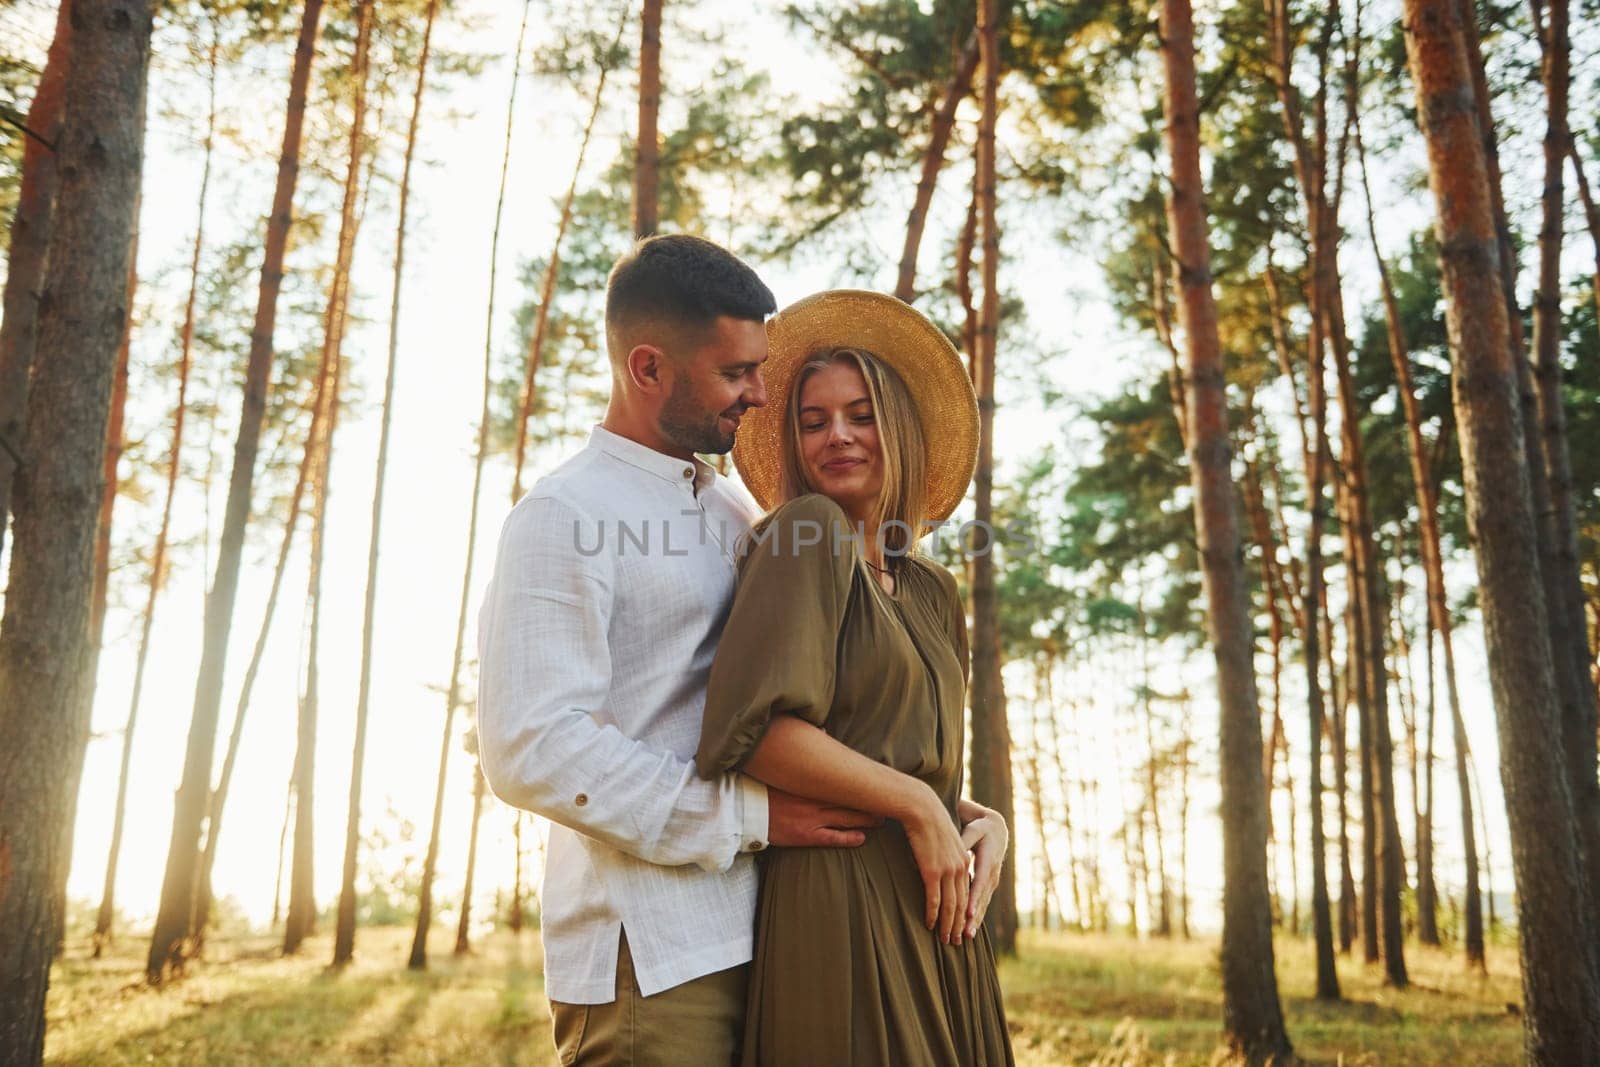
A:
290	1019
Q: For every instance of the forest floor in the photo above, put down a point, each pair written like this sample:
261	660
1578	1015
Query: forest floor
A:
1071	999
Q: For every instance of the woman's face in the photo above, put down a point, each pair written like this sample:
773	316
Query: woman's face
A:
839	438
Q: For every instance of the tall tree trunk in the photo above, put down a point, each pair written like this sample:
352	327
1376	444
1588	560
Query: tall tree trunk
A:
189	808
283	837
219	795
464	927
1080	915
1561	651
1183	822
1430	542
302	912
1372	657
1591	210
25	258
1031	768
1560	993
302	909
1321	907
1562	579
516	877
944	120
1472	938
1427	888
418	952
1162	926
1252	1014
419	957
547	289
647	147
991	736
158	554
45	641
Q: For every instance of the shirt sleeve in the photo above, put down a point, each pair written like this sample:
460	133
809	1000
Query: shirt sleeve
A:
545	671
956	610
779	649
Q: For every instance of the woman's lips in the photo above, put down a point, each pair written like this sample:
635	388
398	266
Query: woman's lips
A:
837	465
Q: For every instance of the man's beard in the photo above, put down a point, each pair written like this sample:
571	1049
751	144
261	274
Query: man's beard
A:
687	424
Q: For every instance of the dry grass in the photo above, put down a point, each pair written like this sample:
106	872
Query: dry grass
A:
1101	1000
1111	1002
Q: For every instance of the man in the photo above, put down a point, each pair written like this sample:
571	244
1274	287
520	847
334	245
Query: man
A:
612	580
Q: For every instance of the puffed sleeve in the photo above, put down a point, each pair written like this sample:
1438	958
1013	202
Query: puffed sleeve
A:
779	649
956	610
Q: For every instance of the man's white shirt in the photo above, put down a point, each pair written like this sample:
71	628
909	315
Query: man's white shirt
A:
613	578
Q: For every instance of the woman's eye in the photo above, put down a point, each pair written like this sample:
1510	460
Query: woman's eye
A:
863	418
812	427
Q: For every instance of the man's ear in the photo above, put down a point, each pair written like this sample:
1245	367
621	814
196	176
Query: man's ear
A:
647	368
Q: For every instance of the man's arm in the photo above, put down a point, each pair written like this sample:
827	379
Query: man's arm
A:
545	670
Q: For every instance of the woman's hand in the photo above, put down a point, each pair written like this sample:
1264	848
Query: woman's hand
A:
942	859
984	833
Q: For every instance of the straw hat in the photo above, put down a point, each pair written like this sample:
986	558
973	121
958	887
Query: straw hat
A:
900	336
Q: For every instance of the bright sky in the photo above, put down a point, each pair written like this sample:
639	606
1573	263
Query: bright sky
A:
430	466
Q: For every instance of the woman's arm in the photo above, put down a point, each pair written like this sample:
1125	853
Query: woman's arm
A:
800	758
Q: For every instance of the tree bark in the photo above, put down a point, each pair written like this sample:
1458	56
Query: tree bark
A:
991	736
177	888
1252	1013
944	120
1562	579
647	147
1560	993
25	259
116	423
1321	906
45	641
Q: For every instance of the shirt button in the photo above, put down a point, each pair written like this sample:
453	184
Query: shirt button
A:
688	472
755	846
581	799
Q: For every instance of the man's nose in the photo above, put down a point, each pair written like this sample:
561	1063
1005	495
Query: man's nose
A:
756	396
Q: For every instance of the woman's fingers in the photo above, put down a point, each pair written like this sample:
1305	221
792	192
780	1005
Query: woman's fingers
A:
947	907
959	912
931	886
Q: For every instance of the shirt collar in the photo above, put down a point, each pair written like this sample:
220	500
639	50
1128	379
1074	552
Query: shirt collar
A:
694	475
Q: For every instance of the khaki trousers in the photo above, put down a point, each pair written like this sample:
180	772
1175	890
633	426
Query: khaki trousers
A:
696	1024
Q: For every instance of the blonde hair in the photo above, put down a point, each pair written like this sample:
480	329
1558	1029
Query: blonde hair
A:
903	499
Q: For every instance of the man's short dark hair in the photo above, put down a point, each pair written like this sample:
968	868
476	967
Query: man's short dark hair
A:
683	281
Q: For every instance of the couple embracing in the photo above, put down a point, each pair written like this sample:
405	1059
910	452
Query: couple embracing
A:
683	679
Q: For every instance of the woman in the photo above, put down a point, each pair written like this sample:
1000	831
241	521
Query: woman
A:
841	675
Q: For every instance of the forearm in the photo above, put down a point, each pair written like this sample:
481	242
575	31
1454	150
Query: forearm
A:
800	758
615	790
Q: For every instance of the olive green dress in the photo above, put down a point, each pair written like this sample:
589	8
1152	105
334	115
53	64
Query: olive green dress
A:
845	972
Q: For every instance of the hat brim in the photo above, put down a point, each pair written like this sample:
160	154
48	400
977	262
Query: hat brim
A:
902	337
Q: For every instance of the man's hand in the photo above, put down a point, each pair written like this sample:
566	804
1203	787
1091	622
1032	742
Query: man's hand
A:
984	833
795	822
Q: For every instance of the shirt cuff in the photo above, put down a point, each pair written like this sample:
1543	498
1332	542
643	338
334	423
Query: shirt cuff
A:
752	814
